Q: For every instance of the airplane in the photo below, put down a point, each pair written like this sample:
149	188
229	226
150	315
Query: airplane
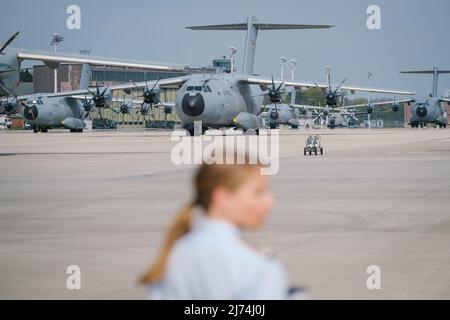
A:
285	113
341	119
424	110
228	99
11	59
332	103
429	109
43	112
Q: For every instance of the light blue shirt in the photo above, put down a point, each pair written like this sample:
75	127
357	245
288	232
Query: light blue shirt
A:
212	262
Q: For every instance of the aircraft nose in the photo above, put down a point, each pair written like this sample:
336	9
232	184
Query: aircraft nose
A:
421	112
193	106
30	112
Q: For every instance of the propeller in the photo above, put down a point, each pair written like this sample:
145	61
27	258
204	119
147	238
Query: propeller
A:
274	93
395	106
351	115
98	97
9	106
331	96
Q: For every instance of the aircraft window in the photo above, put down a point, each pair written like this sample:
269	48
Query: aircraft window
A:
198	88
190	88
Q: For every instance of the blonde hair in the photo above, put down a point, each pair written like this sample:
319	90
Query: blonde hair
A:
207	179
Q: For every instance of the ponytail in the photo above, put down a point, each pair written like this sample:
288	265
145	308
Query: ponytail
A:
179	227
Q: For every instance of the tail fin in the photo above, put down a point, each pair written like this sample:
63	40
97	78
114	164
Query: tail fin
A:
293	95
85	76
435	72
252	27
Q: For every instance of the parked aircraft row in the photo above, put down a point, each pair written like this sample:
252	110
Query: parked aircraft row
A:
217	100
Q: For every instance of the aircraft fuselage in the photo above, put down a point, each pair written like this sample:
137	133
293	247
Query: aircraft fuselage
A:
428	110
216	100
50	112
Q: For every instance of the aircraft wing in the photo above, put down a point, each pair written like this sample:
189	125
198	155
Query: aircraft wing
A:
265	82
50	58
375	104
81	94
139	102
299	106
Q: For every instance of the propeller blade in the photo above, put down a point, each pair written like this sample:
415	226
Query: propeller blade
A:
7	43
157	81
340	85
104	91
280	86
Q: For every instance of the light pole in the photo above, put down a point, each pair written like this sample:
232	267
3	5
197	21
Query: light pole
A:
56	39
369	76
233	52
293	63
282	62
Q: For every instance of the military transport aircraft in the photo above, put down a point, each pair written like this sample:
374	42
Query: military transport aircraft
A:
228	99
429	109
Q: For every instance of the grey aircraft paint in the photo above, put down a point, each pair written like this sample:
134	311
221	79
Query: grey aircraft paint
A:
429	109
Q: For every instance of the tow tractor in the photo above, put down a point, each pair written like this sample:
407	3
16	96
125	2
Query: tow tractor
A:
313	144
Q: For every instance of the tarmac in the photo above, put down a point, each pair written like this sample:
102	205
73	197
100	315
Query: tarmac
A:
103	201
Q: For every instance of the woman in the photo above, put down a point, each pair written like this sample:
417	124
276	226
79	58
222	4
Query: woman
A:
204	257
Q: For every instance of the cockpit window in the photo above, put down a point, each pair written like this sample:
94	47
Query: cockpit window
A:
198	88
190	88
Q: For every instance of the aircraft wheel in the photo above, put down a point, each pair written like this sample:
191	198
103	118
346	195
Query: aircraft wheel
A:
44	130
315	151
35	129
294	127
304	151
321	151
310	152
257	132
191	131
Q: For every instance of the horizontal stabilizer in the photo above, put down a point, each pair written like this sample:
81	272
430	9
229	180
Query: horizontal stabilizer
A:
426	72
259	26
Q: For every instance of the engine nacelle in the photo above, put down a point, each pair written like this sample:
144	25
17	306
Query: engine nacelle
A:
246	121
73	124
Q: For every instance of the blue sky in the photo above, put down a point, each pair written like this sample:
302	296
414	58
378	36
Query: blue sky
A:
414	35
